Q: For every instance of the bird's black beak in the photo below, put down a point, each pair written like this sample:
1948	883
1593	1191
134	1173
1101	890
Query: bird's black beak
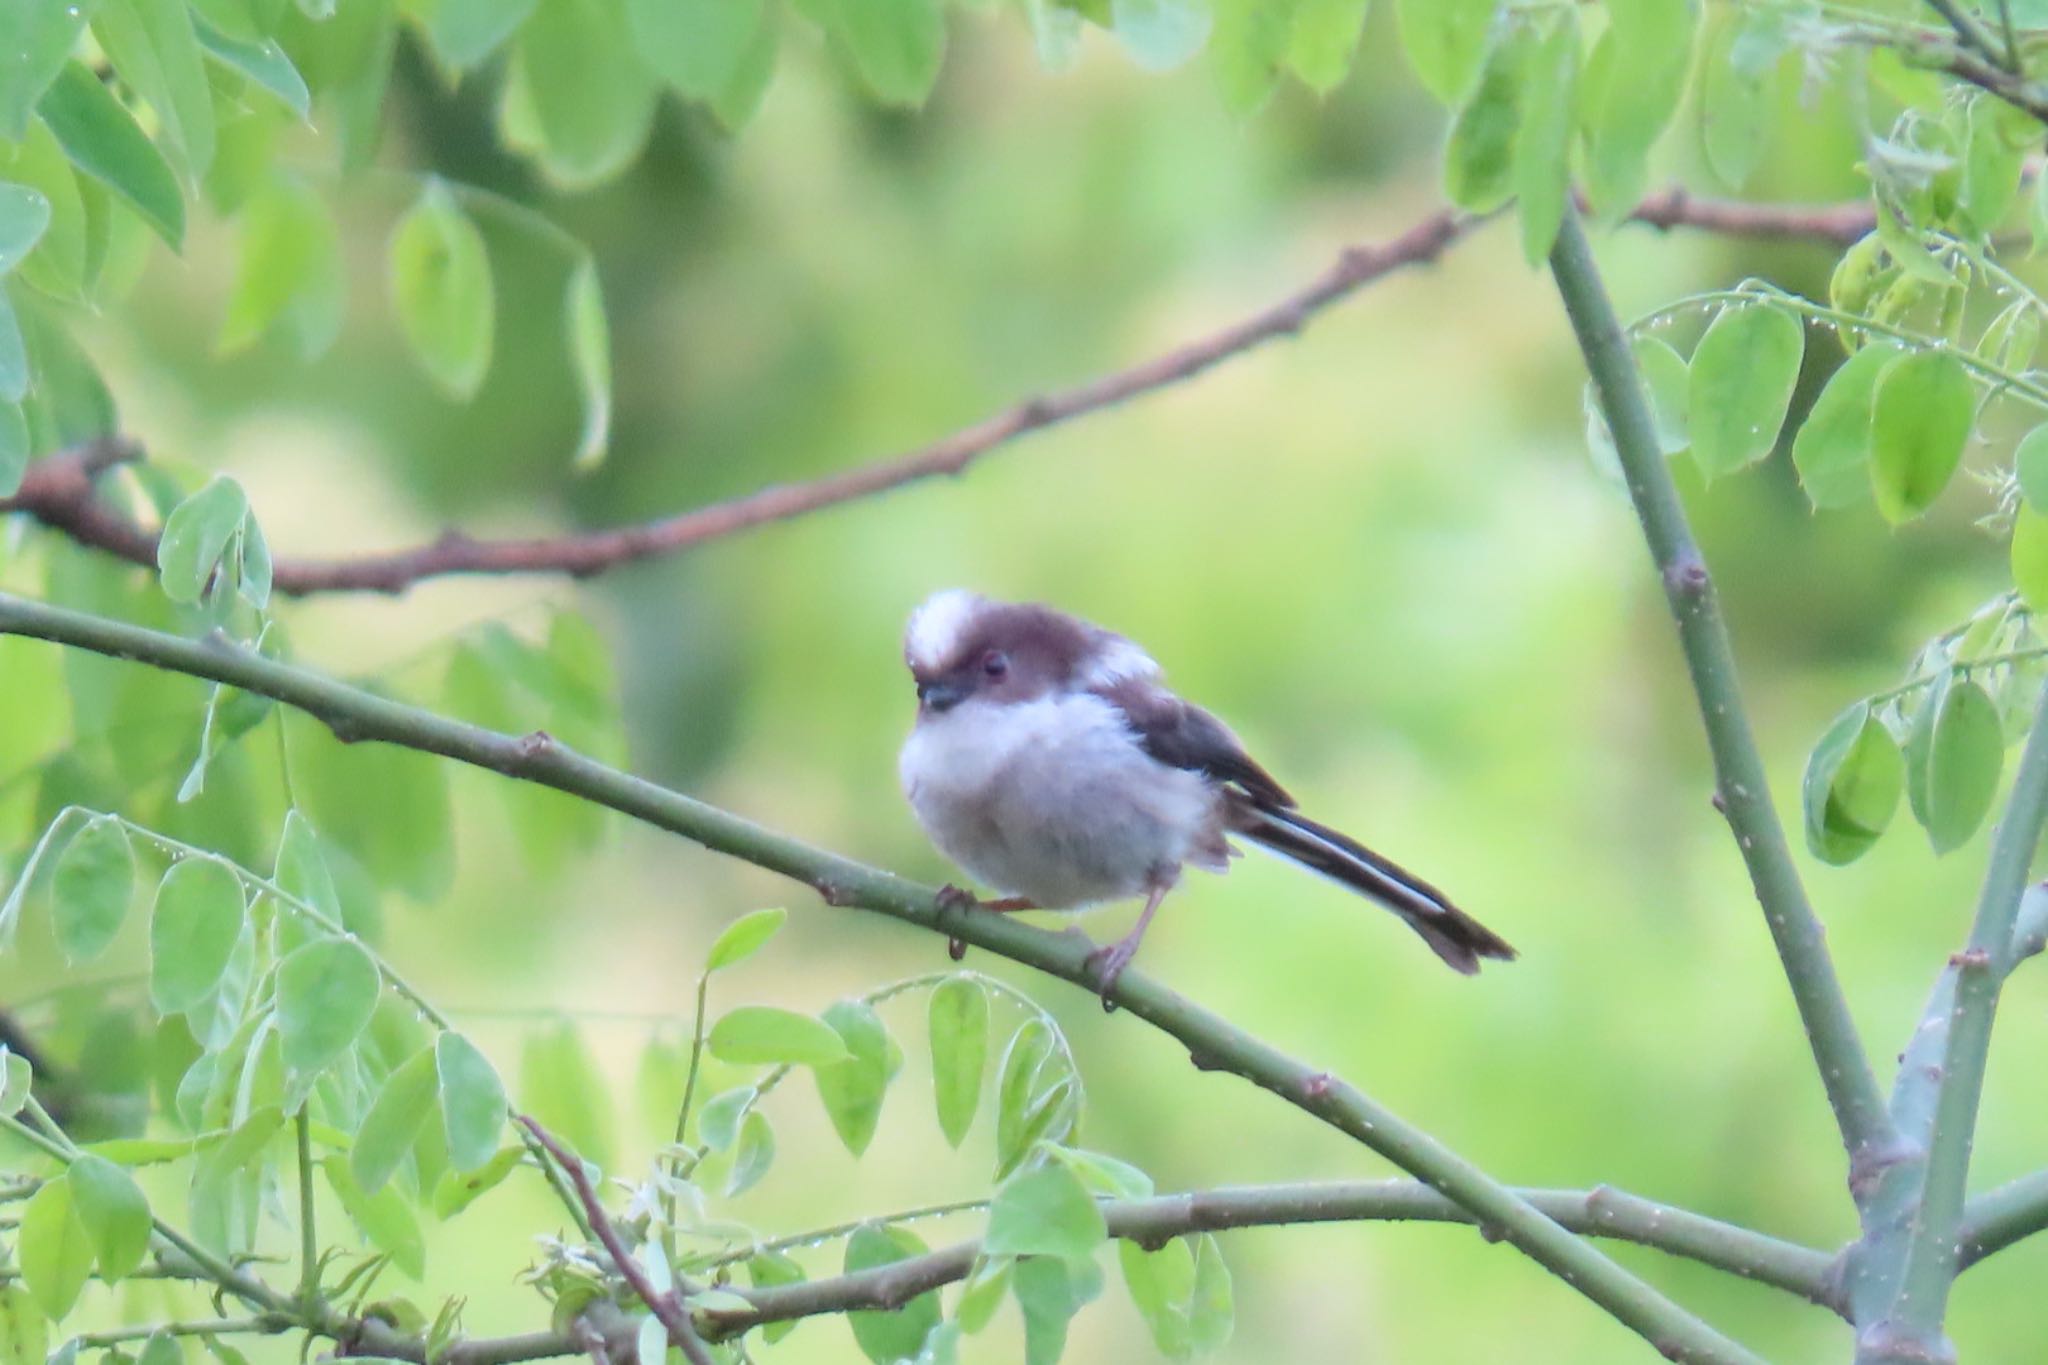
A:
940	696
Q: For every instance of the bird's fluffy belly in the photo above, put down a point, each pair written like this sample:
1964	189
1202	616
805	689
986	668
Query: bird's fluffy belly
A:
1055	801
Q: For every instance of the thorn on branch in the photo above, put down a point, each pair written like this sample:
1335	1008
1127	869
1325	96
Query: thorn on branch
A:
533	745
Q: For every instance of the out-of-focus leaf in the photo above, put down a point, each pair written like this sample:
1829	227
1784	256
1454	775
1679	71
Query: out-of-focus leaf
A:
1736	99
1162	1286
1103	1173
590	96
263	62
290	272
1044	1212
769	1268
441	288
24	1331
385	1218
157	53
1211	1314
472	1101
1853	781
1049	1292
559	1085
1669	383
753	1156
697	46
456	1191
13	360
1543	145
326	993
37	35
888	1337
852	1090
2030	557
16	1080
1632	87
760	1034
1479	161
1953	756
1921	417
52	1249
60	263
89	894
958	1023
102	139
896	46
193	928
1446	42
24	215
590	357
718	1122
1325	39
464	32
1832	448
114	1213
1743	373
1160	34
403	1103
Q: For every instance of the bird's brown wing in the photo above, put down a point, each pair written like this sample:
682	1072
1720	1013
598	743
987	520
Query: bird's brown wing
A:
1183	735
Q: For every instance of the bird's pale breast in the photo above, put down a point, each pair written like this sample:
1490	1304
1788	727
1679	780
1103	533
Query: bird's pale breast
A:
1055	800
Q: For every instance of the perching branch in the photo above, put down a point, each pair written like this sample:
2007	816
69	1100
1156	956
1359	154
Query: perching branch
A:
59	491
1740	790
1929	1245
355	715
682	1333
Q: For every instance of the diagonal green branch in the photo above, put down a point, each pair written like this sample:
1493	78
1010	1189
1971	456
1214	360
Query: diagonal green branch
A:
1928	1247
1740	789
356	715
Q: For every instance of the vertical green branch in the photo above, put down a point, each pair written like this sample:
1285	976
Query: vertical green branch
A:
1927	1246
309	1239
1740	790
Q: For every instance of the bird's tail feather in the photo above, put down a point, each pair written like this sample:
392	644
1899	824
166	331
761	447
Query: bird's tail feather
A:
1452	934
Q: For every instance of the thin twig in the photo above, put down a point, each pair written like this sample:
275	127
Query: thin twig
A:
681	1331
1972	33
1845	1072
361	716
59	491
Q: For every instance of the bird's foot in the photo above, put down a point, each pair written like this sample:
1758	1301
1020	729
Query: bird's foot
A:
951	897
1108	964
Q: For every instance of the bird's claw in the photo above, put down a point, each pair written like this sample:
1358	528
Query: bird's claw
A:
951	897
1108	965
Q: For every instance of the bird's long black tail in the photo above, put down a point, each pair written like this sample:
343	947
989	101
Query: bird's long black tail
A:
1452	934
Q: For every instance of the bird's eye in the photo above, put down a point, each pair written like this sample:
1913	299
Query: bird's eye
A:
995	663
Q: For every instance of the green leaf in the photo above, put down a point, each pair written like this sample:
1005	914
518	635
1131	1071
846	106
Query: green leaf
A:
90	891
456	1191
1479	161
590	356
1035	1093
1921	417
1853	781
384	1218
1669	383
1044	1212
1211	1315
1953	756
982	1294
441	289
1103	1173
1632	87
60	264
590	97
114	1213
14	447
301	868
156	50
852	1090
1736	98
24	1332
754	1155
193	928
196	537
1743	373
17	1080
24	216
1248	48
102	139
1160	34
766	1269
1049	1292
895	45
958	1023
758	1034
13	356
52	1249
888	1337
744	937
1998	141
1162	1286
403	1103
718	1122
464	32
472	1101
1832	449
263	62
290	272
161	1348
2030	558
1325	38
1544	142
1445	41
560	1086
326	993
36	35
697	46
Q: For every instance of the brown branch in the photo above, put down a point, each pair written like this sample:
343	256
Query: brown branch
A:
58	491
681	1331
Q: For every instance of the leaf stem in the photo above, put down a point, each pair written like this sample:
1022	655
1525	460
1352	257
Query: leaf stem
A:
1741	790
309	1239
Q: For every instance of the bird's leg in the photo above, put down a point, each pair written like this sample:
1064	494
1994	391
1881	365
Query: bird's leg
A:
1008	904
1110	962
951	897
